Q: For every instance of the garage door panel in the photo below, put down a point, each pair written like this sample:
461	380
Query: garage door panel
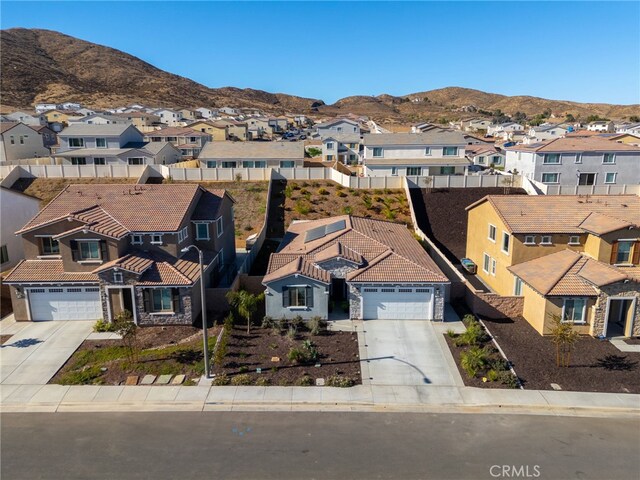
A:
398	303
71	303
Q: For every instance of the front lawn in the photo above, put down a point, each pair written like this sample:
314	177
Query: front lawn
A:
173	350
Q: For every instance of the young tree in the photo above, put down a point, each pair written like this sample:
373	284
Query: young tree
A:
245	304
128	330
564	337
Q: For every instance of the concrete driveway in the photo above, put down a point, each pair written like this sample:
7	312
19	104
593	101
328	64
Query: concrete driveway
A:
406	352
34	354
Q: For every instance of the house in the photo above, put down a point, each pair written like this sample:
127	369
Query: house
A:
228	111
102	119
475	125
16	209
189	115
18	141
252	155
576	161
206	112
376	268
605	126
628	138
485	155
343	147
426	127
70	106
49	137
164	153
59	116
545	132
414	154
235	130
572	256
337	126
44	107
172	118
21	117
188	140
301	120
218	130
258	127
504	128
143	121
278	125
98	249
83	144
631	128
85	111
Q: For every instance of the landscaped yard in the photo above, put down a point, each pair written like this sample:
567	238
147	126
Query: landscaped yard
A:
441	215
174	350
314	199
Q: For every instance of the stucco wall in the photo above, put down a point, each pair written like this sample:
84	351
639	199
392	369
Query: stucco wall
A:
274	304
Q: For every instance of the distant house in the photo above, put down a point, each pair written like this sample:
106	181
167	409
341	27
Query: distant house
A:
475	125
189	115
542	133
345	148
228	111
172	118
414	154
45	107
188	140
337	126
631	128
49	137
235	130
17	209
71	106
206	112
58	119
164	153
601	126
143	121
18	141
102	119
252	155
504	128
85	111
426	127
628	138
258	127
21	117
278	125
218	130
485	155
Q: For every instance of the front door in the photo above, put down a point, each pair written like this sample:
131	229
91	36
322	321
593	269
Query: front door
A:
620	317
338	289
120	299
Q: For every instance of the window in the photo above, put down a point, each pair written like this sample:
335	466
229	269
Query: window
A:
156	239
530	240
161	300
89	250
586	179
211	164
493	267
329	158
329	145
610	177
352	145
12	140
78	161
76	142
405	290
229	164
496	160
546	240
101	143
505	242
219	229
388	290
578	158
427	150
492	232
99	161
117	277
486	259
22	137
573	310
136	239
414	171
517	287
287	164
297	296
202	231
183	234
551	158
394	171
550	177
481	160
621	252
609	158
370	290
449	151
136	161
447	170
50	246
352	158
377	151
574	240
4	254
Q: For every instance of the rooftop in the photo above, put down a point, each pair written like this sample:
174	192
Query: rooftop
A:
432	137
576	144
260	150
88	129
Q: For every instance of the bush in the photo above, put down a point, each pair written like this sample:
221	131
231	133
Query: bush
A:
451	333
317	325
340	194
323	191
468	318
267	322
263	382
498	364
288	191
291	333
305	353
473	360
305	381
472	336
314	152
339	187
339	381
242	379
302	208
347	210
366	199
492	375
508	379
104	326
220	380
296	322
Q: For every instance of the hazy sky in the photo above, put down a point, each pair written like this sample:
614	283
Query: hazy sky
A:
582	51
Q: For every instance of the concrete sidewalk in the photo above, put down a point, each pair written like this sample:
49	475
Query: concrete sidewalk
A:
95	398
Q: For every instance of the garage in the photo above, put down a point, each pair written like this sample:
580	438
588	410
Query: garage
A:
65	303
401	303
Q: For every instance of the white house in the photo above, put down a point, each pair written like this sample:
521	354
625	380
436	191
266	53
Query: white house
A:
21	117
101	119
228	111
602	126
169	117
345	148
252	155
507	127
206	112
18	141
475	124
544	132
337	126
16	210
631	128
70	106
45	107
485	155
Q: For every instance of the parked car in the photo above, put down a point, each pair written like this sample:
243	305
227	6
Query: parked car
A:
303	137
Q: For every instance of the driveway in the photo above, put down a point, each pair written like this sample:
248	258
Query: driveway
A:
37	351
405	352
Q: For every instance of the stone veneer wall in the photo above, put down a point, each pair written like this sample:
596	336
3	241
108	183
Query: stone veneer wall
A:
620	289
492	305
355	301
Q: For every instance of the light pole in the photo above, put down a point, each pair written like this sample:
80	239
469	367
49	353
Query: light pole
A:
205	338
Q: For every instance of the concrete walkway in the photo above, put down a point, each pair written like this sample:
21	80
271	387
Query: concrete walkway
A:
623	346
37	350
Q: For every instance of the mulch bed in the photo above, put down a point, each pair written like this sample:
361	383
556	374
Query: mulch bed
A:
596	365
338	355
632	341
441	215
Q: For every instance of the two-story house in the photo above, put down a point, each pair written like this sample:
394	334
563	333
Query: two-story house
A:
235	130
16	208
188	140
258	128
49	137
505	128
102	119
96	250
342	147
206	112
278	124
21	117
414	154
218	130
604	126
543	133
336	127
576	161
18	141
172	118
485	155
577	257
252	155
143	121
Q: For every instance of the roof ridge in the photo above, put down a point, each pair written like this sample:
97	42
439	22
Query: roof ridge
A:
563	272
175	269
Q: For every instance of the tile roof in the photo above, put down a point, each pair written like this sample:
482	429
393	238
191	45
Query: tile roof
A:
176	132
260	150
46	271
4	126
431	137
419	161
567	273
84	129
298	266
338	250
565	213
576	144
114	209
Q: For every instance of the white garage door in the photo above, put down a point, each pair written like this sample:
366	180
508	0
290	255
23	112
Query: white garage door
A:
69	303
397	303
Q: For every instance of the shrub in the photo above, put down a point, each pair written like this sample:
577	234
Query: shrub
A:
472	336
288	191
339	381
291	333
473	360
508	379
220	380
323	191
498	364
296	322
451	333
104	326
304	191
314	152
347	210
238	177
304	381
306	353
492	375
243	379
339	187
315	184
248	228
296	355
263	382
317	325
267	322
340	194
378	191
468	318
294	185
302	208
355	193
366	199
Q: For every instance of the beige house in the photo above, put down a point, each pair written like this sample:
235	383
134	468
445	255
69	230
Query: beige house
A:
189	141
219	131
252	155
18	140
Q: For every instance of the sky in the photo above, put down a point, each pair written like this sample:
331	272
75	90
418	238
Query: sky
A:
580	51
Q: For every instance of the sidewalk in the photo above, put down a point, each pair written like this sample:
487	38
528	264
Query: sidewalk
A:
59	398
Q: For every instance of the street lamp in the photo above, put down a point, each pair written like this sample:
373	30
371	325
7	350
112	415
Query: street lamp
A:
204	309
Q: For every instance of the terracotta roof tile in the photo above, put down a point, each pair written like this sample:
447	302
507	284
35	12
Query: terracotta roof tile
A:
576	144
298	266
46	271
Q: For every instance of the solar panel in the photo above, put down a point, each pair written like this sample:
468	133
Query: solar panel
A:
334	227
314	234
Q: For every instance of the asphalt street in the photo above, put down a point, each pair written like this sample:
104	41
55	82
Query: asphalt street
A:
220	445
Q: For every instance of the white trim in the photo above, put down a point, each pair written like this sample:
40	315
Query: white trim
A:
584	310
506	252
542	242
570	242
634	301
133	300
495	231
529	243
157	235
198	237
133	235
219	226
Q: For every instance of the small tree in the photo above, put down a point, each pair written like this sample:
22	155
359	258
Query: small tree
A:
128	330
564	337
245	304
427	182
507	182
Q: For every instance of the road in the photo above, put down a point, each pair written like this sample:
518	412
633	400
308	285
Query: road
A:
316	445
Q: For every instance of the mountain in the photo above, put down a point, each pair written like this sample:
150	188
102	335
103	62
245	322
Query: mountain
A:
47	66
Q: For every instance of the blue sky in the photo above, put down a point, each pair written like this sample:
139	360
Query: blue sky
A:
581	51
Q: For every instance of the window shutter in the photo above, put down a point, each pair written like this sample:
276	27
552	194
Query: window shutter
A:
636	253
74	250
175	299
104	252
614	252
285	297
146	297
309	294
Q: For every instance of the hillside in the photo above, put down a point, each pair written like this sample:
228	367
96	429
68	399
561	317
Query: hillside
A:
47	66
